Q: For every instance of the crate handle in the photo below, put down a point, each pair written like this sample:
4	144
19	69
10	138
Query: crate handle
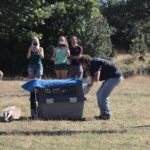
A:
73	99
50	101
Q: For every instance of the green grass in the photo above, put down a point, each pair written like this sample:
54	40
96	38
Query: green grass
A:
129	127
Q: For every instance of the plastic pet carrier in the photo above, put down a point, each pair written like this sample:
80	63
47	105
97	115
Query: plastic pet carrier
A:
57	99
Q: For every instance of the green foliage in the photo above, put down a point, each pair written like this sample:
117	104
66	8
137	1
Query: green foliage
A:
96	38
138	45
68	18
48	19
21	20
129	17
146	31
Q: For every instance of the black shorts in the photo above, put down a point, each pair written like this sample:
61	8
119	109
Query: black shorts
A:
61	66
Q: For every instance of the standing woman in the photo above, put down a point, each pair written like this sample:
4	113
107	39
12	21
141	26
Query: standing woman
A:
76	51
35	54
60	57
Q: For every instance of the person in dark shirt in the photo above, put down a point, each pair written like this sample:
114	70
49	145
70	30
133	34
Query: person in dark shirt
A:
102	70
76	70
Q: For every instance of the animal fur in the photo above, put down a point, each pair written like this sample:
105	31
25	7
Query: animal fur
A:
11	113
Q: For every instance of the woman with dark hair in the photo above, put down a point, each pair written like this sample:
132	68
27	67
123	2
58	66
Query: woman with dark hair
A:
102	70
76	51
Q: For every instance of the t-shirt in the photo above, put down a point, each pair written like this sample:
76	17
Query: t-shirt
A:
107	69
75	51
61	56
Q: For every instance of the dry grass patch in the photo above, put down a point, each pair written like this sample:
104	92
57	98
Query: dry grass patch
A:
128	128
131	65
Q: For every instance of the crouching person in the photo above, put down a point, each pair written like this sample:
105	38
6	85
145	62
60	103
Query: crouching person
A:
1	74
102	70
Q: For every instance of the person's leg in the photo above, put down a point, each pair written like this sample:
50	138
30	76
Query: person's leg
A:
58	74
39	71
76	72
64	74
58	71
31	71
72	73
64	71
79	72
103	94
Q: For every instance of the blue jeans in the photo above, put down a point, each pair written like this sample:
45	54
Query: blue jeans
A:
104	92
35	70
76	72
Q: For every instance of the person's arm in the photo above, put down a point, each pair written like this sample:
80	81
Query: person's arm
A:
95	78
53	55
29	53
41	52
68	53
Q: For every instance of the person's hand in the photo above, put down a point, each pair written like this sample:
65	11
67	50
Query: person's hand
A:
90	84
37	50
86	89
53	58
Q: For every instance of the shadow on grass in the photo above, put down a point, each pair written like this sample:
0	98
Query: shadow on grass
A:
142	126
59	132
53	119
21	119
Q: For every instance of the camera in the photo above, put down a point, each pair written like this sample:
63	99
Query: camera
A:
35	44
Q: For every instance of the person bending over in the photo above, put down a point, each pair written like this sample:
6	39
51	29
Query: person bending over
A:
102	70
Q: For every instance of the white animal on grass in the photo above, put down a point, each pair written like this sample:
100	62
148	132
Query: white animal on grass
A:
11	113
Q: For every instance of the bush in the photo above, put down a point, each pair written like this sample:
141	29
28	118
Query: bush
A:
96	38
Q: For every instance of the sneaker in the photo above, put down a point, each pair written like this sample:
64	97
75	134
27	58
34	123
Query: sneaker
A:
102	117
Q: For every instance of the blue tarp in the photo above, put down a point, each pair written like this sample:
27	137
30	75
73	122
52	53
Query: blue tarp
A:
41	83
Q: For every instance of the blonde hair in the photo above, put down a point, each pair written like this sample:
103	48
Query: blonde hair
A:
35	38
66	42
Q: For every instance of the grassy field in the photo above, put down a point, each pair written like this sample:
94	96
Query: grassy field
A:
131	65
128	129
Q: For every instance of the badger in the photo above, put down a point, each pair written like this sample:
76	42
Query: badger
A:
11	113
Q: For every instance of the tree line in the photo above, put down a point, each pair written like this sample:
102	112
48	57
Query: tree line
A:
103	27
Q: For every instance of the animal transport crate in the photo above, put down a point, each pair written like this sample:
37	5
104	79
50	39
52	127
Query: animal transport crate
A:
58	101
